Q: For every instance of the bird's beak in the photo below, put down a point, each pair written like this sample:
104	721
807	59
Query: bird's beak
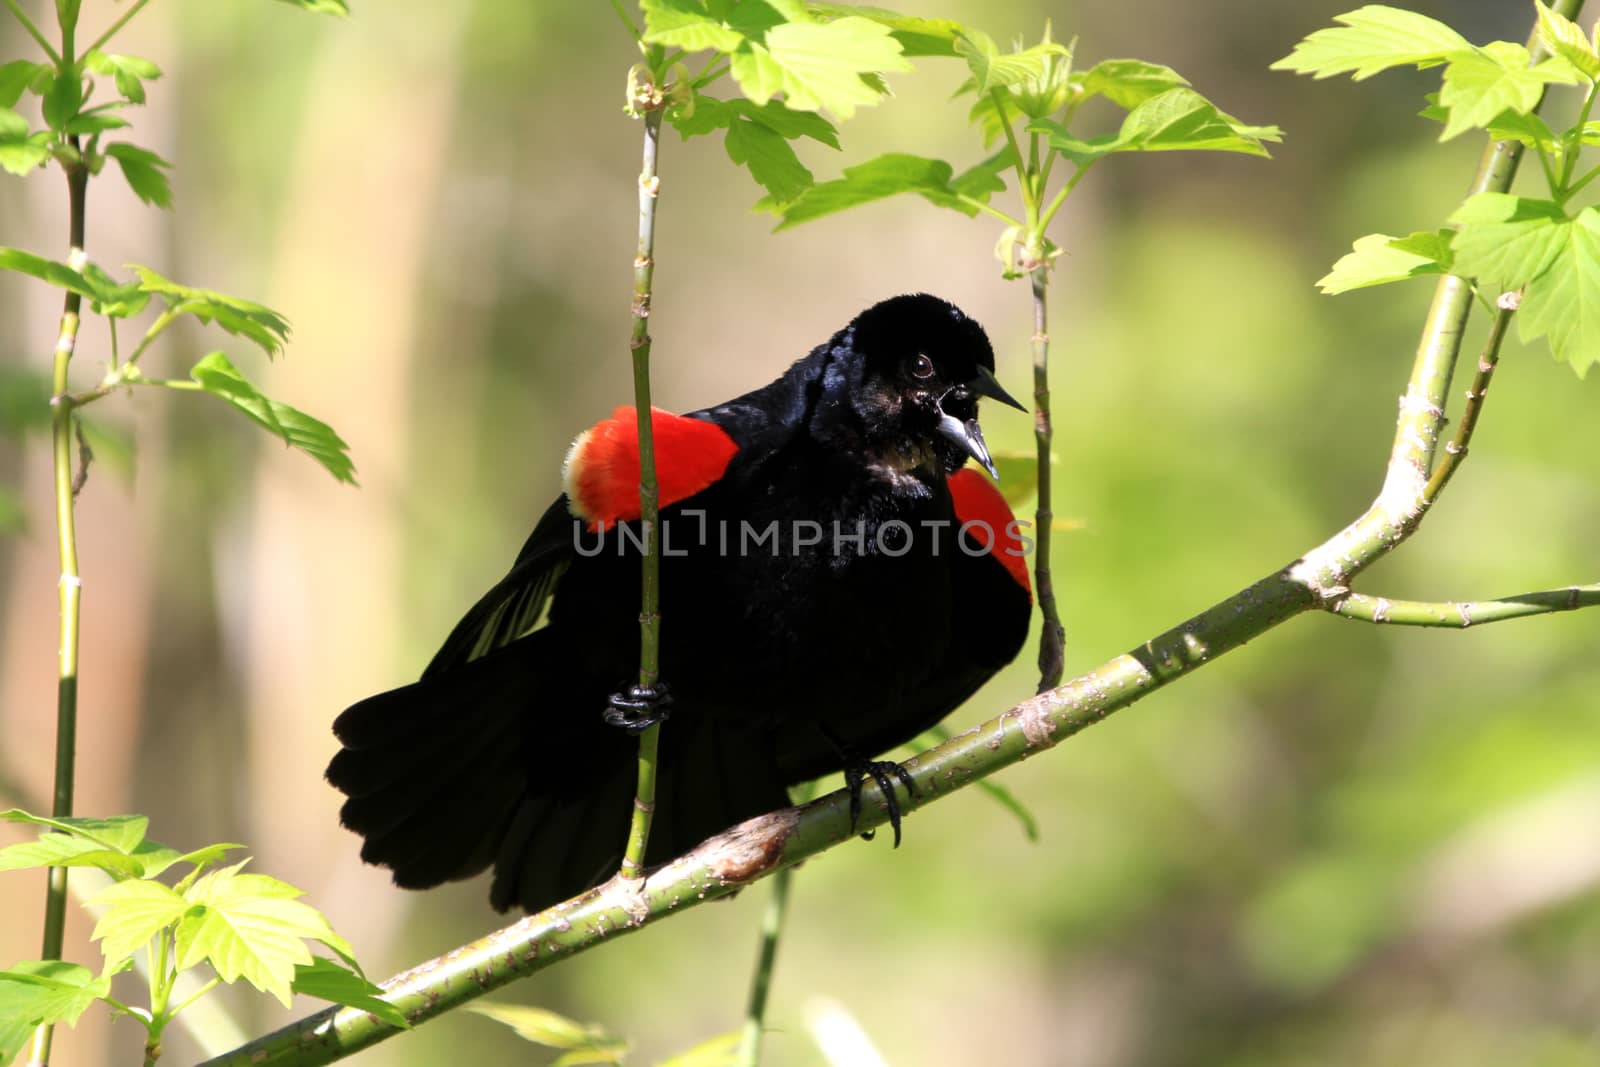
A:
968	436
985	384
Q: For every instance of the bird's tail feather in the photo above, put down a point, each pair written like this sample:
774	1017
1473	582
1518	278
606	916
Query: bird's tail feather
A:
497	762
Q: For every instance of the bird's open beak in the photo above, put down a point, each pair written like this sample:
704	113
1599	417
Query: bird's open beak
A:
985	384
968	436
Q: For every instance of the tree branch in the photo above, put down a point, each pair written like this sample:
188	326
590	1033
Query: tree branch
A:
781	839
1460	614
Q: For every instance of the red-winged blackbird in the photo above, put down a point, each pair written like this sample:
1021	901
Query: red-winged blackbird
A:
834	583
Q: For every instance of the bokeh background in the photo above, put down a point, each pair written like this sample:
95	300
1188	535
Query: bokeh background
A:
1339	845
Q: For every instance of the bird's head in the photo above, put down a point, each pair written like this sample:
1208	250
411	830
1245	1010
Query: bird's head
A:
919	365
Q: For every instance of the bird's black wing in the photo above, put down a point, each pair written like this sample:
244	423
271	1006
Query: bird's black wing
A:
515	605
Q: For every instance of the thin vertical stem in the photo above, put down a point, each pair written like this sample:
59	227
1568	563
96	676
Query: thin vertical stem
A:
1052	640
69	587
761	981
644	803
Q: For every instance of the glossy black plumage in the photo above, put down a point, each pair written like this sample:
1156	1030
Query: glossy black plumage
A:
782	664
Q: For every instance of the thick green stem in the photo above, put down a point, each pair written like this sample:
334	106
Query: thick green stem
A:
69	586
644	803
1052	639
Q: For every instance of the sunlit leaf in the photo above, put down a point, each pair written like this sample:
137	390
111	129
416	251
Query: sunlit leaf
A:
1481	84
245	318
143	170
876	179
221	378
770	159
326	980
321	7
1507	241
1563	303
37	992
15	77
62	97
917	36
120	833
1378	258
129	72
547	1028
687	24
135	910
248	926
1563	37
818	65
1130	82
1373	39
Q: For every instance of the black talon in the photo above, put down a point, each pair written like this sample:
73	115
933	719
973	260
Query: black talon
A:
879	771
640	708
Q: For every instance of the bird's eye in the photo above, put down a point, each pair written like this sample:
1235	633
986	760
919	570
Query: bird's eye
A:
921	366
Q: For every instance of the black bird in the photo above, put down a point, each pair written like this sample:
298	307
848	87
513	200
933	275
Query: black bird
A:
834	582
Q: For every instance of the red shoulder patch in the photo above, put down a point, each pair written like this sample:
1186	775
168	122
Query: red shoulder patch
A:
601	473
987	518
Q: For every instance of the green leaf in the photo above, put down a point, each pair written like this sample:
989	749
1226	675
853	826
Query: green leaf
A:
873	180
1563	303
321	7
135	911
993	69
1481	84
1507	241
12	125
93	122
1563	37
326	980
1176	120
17	76
551	1030
120	833
244	318
248	926
1379	258
112	298
687	24
64	850
1130	82
711	114
818	65
1182	119
62	98
143	171
917	36
982	180
21	152
129	72
1527	128
769	157
222	379
48	991
1373	39
46	270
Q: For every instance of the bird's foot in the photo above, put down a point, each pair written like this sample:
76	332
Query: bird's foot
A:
883	772
640	708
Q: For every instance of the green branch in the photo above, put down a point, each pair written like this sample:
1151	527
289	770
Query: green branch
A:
781	839
1460	614
1052	638
1456	449
69	587
644	804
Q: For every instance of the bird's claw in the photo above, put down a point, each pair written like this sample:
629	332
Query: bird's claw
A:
880	771
640	708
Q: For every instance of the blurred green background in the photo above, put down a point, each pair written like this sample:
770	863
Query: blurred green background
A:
1340	845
